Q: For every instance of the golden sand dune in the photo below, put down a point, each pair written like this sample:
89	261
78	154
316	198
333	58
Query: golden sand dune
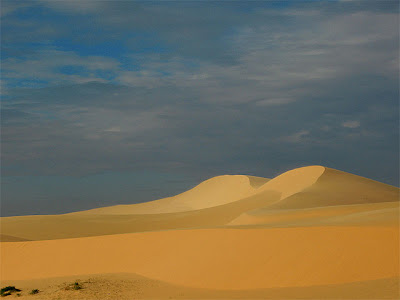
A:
332	187
222	193
10	238
81	225
316	195
212	192
128	286
232	197
385	214
309	230
294	181
217	258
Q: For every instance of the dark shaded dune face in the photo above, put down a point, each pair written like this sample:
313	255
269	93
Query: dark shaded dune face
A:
10	238
371	214
293	181
335	187
256	182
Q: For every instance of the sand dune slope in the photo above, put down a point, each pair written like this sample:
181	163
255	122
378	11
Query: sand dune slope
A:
321	196
124	286
10	238
309	196
217	258
214	202
377	214
293	181
212	192
81	225
331	187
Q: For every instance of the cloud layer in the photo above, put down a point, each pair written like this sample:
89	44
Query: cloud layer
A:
198	88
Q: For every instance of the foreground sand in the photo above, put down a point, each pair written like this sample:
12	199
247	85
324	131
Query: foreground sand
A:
309	233
131	286
238	258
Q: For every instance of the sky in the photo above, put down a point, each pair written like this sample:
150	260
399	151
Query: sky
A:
117	102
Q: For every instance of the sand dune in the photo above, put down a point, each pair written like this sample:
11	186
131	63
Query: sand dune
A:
317	195
301	188
10	238
132	286
212	192
294	181
217	258
317	186
335	187
81	225
384	214
307	231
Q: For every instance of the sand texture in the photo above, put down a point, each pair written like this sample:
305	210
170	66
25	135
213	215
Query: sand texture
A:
310	233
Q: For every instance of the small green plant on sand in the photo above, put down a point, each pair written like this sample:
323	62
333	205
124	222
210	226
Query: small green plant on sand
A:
35	291
8	290
74	286
77	285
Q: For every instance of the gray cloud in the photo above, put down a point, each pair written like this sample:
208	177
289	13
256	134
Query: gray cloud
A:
91	134
258	91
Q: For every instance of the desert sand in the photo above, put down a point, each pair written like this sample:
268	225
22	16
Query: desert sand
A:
309	233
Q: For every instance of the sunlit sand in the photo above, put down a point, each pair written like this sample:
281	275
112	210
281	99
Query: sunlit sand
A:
312	232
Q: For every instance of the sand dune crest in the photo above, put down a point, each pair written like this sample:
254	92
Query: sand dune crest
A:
334	187
216	191
293	181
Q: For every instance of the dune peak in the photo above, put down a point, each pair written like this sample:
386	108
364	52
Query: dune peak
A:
294	181
215	191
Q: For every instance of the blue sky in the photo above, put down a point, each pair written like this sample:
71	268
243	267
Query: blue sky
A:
99	94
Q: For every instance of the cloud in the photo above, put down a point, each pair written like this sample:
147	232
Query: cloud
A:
95	127
202	89
52	66
296	137
79	7
8	7
275	101
351	124
113	129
